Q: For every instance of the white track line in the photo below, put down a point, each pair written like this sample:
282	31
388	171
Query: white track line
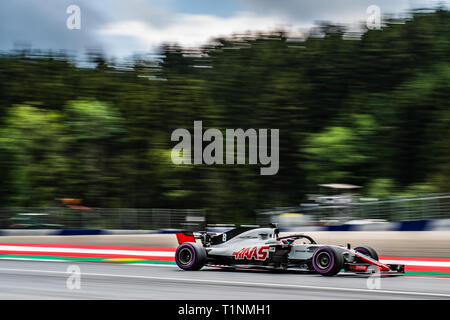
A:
240	283
419	263
172	254
96	251
75	261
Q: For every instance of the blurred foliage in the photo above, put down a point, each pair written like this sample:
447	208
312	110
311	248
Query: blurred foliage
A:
372	111
345	149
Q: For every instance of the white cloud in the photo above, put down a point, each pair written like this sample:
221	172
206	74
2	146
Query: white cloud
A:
342	11
190	29
143	35
123	28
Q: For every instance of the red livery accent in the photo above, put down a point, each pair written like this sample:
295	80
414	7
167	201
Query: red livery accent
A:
359	268
381	266
244	253
263	252
252	253
182	238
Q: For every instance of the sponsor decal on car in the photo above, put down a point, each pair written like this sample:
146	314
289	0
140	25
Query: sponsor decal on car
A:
257	253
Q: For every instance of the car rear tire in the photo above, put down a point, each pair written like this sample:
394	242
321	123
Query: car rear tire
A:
190	256
327	261
368	251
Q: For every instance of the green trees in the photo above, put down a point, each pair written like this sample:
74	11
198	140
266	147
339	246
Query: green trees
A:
341	153
372	112
94	135
31	143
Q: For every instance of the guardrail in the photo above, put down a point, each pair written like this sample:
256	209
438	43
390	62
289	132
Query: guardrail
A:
393	209
430	207
99	218
414	225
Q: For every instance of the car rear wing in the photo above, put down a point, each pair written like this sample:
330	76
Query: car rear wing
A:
189	236
183	237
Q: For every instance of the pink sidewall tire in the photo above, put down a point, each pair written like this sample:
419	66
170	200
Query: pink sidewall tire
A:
327	261
190	256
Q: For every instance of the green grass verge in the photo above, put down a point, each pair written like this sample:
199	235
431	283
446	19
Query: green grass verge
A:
83	259
424	273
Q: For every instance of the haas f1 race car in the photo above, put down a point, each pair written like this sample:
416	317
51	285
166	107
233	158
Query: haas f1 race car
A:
256	247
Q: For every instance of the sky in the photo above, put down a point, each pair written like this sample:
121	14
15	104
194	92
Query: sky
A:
121	28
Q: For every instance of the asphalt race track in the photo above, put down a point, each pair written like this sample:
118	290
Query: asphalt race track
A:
48	280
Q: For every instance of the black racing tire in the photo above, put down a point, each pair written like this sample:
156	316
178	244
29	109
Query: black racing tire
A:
368	251
327	261
190	256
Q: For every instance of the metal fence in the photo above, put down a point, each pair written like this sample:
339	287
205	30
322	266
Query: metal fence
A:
100	218
393	209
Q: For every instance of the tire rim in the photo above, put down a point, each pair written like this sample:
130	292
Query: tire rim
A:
323	260
185	256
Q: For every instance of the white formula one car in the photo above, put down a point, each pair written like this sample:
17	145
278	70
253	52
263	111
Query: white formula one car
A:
256	247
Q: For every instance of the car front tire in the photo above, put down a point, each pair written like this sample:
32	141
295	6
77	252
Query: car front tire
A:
368	251
327	261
